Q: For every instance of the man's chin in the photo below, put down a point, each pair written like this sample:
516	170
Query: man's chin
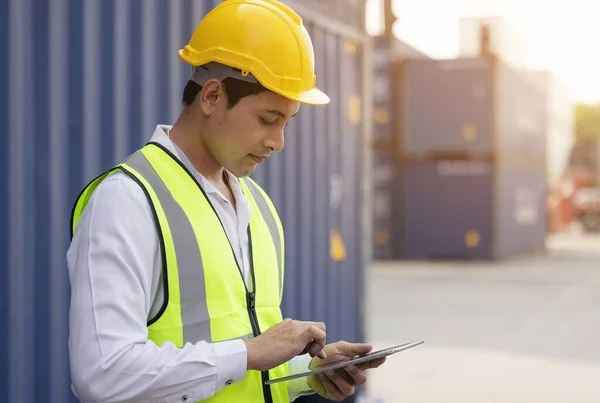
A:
244	172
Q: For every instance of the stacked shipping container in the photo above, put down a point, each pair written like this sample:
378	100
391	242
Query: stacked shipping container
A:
82	86
471	149
388	51
384	172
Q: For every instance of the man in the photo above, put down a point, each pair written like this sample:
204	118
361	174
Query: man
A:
176	260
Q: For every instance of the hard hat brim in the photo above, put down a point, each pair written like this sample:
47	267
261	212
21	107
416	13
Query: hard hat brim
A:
313	96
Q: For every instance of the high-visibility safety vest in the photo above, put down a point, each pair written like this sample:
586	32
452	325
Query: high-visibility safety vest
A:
206	297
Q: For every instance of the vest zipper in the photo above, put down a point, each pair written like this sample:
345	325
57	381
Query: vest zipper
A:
250	299
250	303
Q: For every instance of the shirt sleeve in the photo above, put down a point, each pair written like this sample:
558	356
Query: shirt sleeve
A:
299	387
114	266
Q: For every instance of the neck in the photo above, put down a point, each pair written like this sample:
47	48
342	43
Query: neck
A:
187	136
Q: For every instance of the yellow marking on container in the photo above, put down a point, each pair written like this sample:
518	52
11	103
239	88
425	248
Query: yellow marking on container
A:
472	239
354	110
382	116
469	132
337	250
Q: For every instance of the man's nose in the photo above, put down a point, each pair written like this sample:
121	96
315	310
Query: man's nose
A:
275	140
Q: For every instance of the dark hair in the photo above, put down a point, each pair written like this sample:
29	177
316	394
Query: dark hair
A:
235	89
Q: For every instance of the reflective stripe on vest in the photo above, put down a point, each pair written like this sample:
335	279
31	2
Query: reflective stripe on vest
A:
204	293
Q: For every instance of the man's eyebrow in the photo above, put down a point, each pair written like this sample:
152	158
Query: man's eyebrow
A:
279	113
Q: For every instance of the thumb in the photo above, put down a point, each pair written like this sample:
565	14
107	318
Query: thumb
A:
352	349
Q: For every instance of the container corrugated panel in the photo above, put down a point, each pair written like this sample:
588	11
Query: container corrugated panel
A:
445	210
445	106
82	85
520	211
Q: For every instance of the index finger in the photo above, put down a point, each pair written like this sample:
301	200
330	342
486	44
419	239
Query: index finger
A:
319	325
317	336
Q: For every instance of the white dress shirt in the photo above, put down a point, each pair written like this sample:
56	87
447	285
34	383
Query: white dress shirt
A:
115	273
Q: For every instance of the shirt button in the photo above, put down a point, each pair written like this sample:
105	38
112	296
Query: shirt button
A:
184	398
229	382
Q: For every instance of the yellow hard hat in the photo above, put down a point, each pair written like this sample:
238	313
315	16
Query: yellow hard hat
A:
264	38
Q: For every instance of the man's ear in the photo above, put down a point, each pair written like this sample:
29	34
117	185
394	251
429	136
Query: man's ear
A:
212	93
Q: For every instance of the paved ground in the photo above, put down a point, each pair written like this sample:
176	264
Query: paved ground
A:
525	330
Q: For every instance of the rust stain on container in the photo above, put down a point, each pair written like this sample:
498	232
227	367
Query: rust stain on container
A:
382	237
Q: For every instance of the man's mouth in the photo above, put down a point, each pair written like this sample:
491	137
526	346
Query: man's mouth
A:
258	158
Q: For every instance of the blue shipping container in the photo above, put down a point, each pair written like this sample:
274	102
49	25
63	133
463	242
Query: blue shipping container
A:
388	51
469	107
384	169
82	84
440	204
463	209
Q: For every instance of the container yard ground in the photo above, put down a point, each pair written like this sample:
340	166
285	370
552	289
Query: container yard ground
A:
524	330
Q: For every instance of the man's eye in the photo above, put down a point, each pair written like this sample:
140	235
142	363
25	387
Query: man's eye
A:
267	122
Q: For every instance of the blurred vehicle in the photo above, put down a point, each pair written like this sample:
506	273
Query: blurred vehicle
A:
586	208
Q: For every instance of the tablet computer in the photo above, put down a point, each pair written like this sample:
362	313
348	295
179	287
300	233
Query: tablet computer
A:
364	358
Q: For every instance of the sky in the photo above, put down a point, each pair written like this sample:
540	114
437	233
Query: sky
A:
562	37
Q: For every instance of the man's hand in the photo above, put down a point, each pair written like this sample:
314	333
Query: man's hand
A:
283	342
338	385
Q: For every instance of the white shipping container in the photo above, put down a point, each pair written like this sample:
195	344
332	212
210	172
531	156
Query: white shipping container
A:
559	124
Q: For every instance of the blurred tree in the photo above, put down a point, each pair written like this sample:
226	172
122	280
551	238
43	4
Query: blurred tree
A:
587	122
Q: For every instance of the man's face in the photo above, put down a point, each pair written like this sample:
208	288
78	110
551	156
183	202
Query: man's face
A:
242	137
